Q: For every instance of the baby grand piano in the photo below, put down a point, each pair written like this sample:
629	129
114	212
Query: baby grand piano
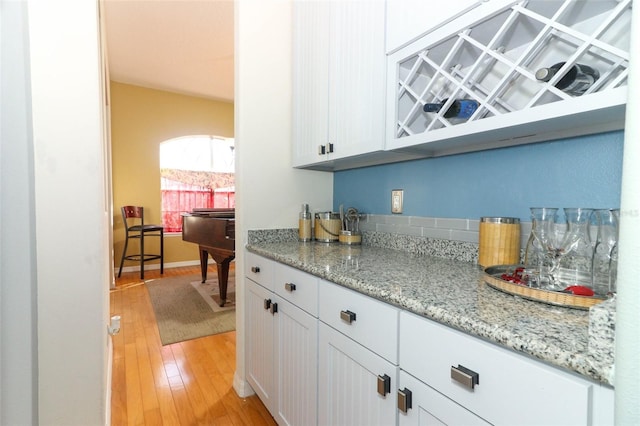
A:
214	232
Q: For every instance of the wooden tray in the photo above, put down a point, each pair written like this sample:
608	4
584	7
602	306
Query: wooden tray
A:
492	278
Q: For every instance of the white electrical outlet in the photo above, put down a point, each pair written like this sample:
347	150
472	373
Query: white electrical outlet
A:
396	201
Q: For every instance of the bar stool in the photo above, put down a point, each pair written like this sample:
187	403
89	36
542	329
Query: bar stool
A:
134	227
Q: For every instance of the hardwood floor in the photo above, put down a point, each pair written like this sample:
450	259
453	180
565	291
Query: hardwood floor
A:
187	383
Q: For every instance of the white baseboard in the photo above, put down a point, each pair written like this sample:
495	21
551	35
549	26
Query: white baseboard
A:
241	386
154	266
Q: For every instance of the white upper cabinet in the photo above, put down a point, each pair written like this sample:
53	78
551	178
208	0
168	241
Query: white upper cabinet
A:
490	57
338	80
407	20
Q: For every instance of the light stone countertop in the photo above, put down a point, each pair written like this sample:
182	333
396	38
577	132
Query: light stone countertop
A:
452	292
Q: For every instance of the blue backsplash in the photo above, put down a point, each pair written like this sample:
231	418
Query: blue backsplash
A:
584	171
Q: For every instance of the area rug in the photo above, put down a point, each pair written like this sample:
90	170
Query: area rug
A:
186	309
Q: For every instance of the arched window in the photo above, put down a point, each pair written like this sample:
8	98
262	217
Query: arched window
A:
195	172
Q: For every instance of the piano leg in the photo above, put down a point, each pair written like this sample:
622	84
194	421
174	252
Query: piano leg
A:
223	279
204	260
222	265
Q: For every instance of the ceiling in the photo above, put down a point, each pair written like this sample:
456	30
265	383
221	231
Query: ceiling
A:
182	46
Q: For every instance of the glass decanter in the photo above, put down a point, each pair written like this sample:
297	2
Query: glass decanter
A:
605	253
575	252
536	259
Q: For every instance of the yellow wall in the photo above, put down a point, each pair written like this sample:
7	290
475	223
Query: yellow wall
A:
140	120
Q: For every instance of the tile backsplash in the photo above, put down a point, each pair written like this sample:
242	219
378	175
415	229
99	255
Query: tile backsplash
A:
455	239
463	230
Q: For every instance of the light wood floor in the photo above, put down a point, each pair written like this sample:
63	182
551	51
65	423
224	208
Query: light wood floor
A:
187	383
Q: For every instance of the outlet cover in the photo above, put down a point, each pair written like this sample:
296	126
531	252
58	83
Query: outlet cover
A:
396	201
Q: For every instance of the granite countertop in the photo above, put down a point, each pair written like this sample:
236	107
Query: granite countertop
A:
453	292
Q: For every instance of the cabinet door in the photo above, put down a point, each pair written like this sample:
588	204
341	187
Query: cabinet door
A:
410	19
260	350
338	80
310	81
426	407
297	366
348	383
357	77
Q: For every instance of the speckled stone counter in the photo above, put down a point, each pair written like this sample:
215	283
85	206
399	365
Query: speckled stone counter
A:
452	292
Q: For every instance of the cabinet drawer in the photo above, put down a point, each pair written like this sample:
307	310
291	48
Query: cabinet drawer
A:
259	269
297	287
373	324
511	389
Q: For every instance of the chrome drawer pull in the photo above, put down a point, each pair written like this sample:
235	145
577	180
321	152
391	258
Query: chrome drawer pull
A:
404	400
289	286
464	376
255	269
348	316
384	385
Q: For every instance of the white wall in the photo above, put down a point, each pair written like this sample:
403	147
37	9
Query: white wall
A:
71	215
269	192
18	378
627	379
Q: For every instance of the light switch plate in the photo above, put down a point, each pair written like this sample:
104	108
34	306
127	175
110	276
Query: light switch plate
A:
396	201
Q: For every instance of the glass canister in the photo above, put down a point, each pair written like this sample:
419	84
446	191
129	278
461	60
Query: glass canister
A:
499	241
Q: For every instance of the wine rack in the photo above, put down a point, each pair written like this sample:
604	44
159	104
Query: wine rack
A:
491	56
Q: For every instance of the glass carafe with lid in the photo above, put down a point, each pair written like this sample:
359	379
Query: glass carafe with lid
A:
605	252
536	258
576	250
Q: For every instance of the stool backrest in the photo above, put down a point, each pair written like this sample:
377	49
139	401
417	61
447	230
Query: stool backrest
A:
132	212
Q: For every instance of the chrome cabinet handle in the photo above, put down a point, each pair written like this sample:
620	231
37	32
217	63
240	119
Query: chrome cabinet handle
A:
348	316
384	385
290	287
404	400
255	269
274	308
321	150
267	303
466	377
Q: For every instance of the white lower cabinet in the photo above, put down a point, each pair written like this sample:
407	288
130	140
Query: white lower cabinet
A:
319	353
358	358
497	385
356	385
281	354
297	366
260	348
421	405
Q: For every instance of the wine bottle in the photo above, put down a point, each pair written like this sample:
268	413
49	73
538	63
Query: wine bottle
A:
576	80
460	108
